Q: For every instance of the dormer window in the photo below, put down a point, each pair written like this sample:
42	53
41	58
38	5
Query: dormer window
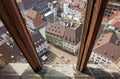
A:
12	57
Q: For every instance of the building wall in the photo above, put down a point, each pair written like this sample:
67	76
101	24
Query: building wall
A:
54	40
36	22
98	59
55	13
70	11
65	8
41	49
58	42
71	48
29	21
111	8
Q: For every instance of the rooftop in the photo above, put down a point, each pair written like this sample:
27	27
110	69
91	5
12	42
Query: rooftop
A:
78	5
116	19
3	30
106	46
67	33
55	29
37	38
32	14
28	3
8	54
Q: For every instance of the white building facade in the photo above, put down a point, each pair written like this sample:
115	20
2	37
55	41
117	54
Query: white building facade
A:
41	49
98	59
71	48
69	11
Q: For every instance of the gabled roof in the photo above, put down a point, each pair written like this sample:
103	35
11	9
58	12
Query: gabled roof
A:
31	14
8	53
103	39
35	17
106	47
37	38
68	34
114	15
71	35
54	28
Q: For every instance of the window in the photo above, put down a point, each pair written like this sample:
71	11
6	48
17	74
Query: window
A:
87	39
98	57
107	38
9	51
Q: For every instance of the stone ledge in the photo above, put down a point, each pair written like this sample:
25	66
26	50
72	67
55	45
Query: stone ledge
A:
60	71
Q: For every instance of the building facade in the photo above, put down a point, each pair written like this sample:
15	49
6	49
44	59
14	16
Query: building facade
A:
33	19
106	49
40	44
112	7
113	24
43	7
74	8
65	37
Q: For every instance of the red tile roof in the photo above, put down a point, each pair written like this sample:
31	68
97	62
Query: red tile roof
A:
31	14
103	39
116	23
78	5
69	35
116	19
35	17
54	28
105	46
8	53
117	14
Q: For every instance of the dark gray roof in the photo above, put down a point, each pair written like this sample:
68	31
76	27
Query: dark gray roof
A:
7	52
16	49
2	30
42	7
29	3
37	38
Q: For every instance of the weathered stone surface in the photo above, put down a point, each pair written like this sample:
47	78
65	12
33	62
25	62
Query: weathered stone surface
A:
60	71
103	71
8	73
